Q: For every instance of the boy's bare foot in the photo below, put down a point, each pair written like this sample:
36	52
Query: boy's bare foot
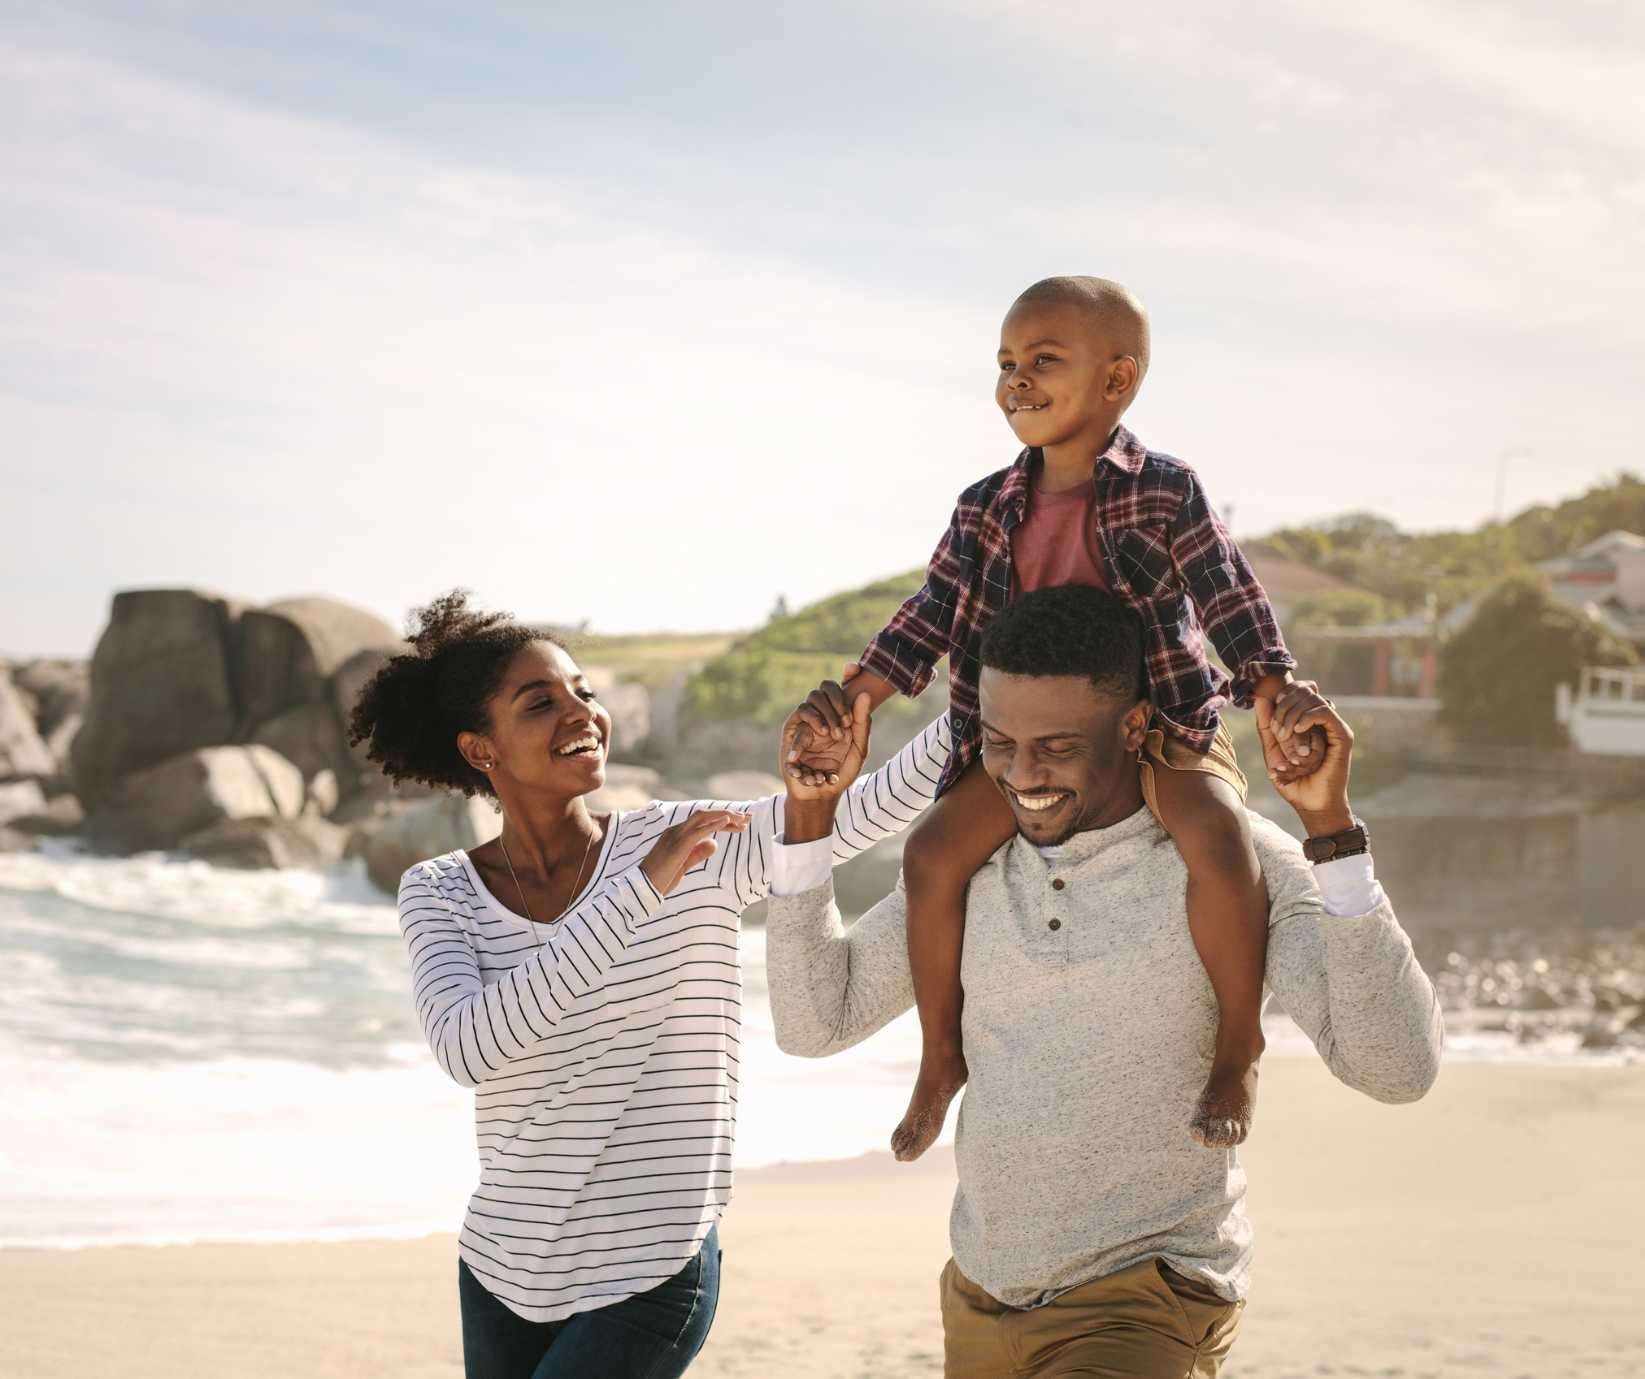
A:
940	1078
1223	1117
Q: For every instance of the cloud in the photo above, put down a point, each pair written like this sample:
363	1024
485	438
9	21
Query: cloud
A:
653	322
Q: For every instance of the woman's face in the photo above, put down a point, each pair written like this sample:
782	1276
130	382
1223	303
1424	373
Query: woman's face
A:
548	731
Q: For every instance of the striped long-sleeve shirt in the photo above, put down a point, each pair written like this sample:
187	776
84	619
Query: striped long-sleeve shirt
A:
604	1062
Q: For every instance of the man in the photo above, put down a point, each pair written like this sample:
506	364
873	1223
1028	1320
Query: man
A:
1089	1236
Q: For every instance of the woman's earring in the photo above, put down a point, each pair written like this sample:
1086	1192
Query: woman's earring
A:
487	765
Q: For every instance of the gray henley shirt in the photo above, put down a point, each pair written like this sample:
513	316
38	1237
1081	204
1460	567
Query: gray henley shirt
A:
1089	1024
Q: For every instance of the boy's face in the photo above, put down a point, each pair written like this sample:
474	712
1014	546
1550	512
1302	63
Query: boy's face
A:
1062	377
1061	751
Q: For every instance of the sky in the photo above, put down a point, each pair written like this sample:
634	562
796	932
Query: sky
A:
644	314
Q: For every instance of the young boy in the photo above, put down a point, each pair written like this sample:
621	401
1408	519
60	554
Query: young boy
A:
1086	503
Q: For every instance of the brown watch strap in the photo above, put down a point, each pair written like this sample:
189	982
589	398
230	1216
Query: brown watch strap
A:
1351	842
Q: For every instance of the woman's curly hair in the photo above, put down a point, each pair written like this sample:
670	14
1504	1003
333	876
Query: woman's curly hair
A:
411	710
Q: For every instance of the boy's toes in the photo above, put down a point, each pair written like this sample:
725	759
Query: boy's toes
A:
1222	1119
1219	1132
922	1121
912	1137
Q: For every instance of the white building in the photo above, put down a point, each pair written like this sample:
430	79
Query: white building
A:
1606	577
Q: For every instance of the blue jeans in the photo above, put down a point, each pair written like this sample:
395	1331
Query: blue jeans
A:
652	1335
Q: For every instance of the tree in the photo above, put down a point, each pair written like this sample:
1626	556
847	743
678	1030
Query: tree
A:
1339	608
1497	675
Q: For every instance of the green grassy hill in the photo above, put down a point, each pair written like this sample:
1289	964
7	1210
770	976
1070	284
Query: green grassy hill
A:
651	659
763	675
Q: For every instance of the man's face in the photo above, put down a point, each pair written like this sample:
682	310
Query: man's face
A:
1063	752
1056	367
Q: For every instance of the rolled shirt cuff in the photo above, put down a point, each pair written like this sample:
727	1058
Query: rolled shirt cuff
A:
1348	885
801	867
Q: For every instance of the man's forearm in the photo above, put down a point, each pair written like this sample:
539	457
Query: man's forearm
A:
831	988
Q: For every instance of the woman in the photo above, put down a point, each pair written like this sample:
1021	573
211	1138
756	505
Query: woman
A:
580	973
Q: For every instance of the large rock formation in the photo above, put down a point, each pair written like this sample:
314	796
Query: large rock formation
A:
59	688
164	805
269	843
426	830
177	670
19	798
161	685
291	651
22	753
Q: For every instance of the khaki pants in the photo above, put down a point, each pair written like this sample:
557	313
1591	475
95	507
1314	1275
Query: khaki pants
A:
1145	1322
1173	754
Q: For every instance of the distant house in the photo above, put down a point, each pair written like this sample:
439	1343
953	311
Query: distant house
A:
1606	577
1288	581
1383	660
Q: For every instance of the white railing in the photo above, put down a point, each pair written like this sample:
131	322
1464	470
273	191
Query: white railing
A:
1608	713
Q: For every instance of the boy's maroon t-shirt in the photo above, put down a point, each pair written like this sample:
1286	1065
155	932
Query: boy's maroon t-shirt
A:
1056	542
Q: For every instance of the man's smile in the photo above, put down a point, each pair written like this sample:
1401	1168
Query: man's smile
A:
1039	802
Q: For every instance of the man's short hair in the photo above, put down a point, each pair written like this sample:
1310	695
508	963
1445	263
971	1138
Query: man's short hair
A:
1071	629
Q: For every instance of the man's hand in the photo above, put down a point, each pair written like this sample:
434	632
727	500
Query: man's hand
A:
1290	751
1320	797
822	764
818	767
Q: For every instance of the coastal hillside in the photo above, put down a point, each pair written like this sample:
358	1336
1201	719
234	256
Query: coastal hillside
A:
762	675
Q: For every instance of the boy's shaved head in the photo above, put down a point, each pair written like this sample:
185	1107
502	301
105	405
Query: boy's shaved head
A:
1121	315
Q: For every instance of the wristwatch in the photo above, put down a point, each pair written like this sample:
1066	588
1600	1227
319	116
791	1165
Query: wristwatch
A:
1351	842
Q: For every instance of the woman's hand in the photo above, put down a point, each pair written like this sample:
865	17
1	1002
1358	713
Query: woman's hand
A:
680	848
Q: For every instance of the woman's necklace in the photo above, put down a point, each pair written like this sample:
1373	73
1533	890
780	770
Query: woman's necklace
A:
526	904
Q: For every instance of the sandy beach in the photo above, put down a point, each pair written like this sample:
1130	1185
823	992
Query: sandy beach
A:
1490	1229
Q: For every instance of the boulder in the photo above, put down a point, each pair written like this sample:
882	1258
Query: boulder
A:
60	743
56	818
414	834
22	753
1599	1035
162	805
19	798
626	787
743	785
322	795
289	652
161	685
628	704
59	688
269	843
308	735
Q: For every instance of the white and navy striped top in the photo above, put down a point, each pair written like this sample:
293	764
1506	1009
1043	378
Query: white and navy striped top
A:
604	1062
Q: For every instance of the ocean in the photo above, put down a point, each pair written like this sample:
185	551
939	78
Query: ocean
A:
195	1053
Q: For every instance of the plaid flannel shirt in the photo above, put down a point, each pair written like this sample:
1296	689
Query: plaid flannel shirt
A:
1165	553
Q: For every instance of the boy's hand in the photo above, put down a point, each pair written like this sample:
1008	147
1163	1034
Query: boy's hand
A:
1321	797
1293	745
1296	755
819	765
